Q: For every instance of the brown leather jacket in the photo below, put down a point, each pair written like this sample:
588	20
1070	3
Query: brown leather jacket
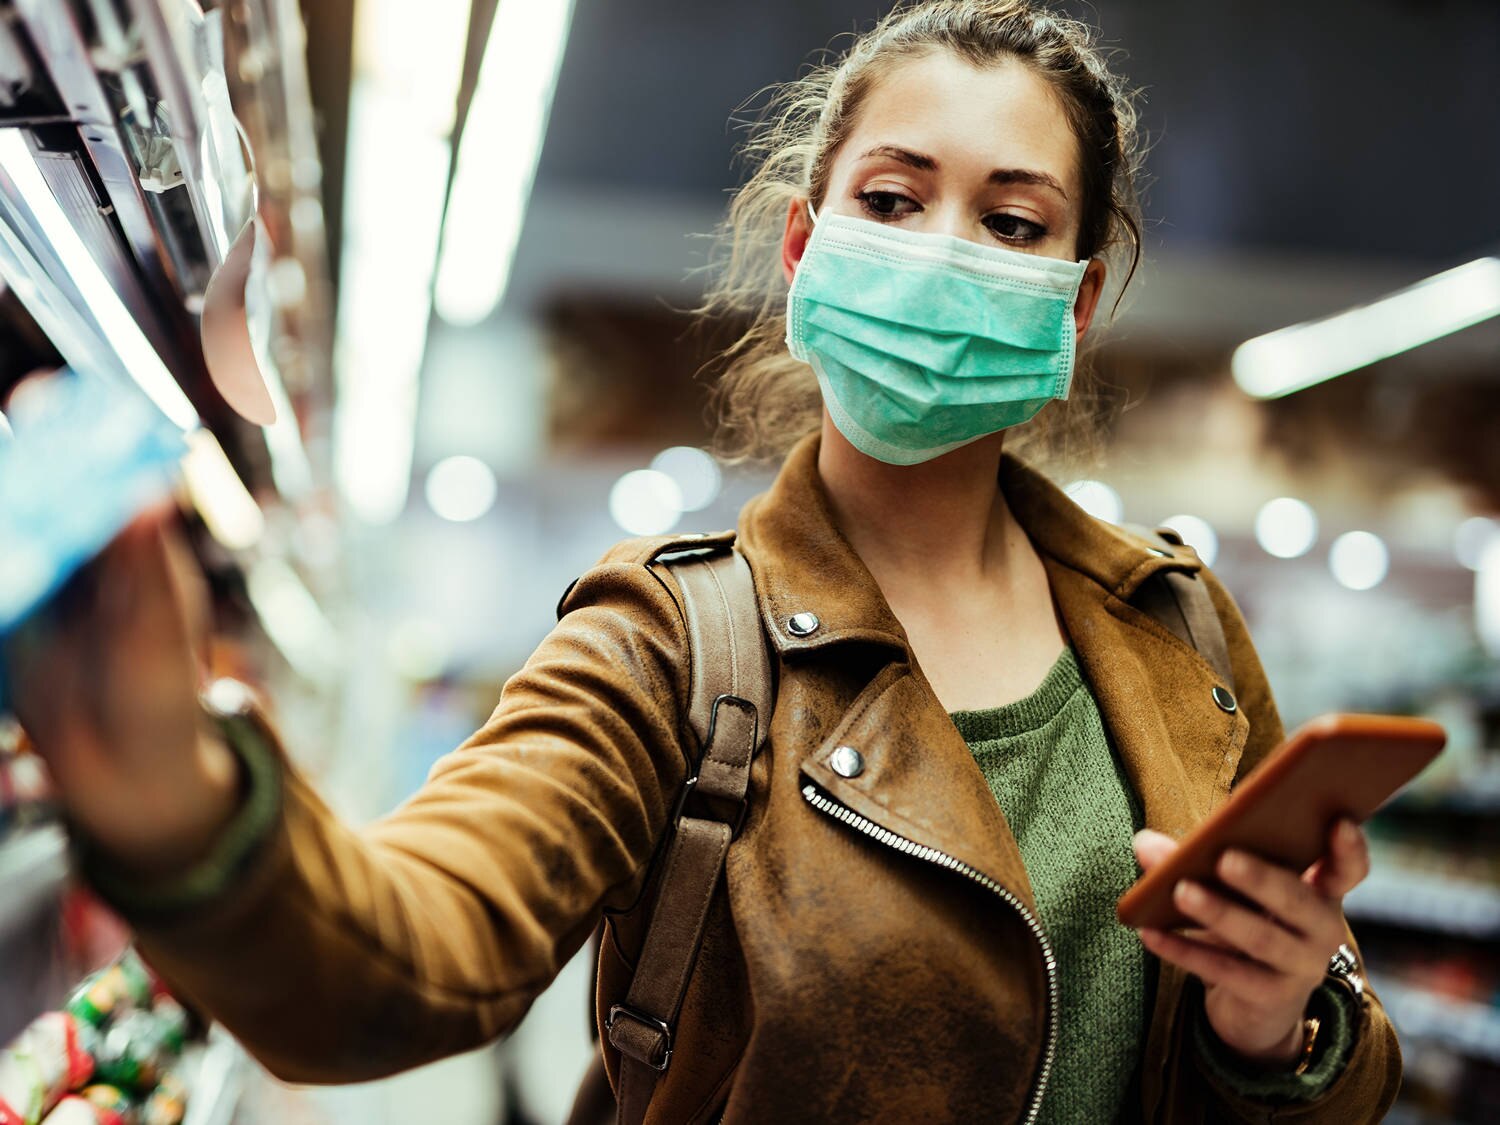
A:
844	976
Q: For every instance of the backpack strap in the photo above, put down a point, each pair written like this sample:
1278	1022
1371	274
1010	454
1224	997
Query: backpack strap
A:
729	712
1180	602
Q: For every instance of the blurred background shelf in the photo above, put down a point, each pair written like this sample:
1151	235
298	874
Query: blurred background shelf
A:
1426	902
1477	794
33	874
1464	1026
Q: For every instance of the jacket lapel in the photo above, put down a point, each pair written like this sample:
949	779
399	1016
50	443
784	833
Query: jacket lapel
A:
918	779
1154	695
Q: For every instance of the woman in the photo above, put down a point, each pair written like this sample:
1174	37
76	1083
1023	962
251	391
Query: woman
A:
961	675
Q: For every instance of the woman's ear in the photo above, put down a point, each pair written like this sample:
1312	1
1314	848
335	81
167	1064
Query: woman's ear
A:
1088	295
794	238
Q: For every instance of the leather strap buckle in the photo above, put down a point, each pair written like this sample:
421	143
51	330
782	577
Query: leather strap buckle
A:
618	1010
711	808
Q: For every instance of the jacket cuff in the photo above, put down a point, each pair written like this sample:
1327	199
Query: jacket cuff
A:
1335	1008
231	855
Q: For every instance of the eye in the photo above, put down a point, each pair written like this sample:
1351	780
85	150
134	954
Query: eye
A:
1013	228
885	205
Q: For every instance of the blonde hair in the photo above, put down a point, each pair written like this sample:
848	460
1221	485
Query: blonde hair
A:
765	400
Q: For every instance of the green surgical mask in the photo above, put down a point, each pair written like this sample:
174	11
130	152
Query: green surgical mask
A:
926	342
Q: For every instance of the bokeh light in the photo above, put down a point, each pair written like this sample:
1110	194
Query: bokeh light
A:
696	473
461	488
1471	539
1286	527
1359	560
646	502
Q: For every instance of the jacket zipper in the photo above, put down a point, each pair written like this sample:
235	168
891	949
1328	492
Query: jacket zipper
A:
826	804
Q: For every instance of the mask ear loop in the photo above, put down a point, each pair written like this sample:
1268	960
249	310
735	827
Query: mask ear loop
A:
811	214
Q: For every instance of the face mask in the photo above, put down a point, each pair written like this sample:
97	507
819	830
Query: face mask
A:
926	342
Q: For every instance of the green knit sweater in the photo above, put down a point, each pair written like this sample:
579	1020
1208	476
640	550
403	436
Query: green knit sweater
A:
1065	795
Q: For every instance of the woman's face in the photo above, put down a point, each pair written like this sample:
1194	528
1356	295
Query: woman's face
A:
943	147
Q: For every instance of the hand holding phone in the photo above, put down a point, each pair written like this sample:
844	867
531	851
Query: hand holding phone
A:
1261	938
1339	765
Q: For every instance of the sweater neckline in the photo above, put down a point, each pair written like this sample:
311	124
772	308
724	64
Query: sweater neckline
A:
1027	713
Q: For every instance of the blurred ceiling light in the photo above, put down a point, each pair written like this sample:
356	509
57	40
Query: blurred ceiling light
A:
316	539
498	155
408	63
293	620
1359	560
418	649
646	502
1487	598
1196	533
696	473
1304	354
461	488
119	327
1097	499
231	513
1473	537
1286	527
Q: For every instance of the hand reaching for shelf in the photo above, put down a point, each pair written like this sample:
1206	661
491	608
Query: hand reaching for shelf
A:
105	682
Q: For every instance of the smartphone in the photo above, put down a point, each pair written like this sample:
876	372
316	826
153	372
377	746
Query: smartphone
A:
1339	765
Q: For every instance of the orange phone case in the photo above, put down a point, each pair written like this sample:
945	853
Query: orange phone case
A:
1333	766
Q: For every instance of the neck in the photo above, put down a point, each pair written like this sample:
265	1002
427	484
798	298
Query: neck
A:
939	523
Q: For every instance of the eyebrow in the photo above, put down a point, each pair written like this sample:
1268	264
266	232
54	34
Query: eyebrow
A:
997	176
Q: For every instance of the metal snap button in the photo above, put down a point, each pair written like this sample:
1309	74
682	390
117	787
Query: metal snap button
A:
1224	699
802	624
847	762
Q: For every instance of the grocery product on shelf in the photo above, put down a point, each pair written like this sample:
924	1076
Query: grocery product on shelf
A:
123	987
167	1104
74	1110
50	1058
107	1058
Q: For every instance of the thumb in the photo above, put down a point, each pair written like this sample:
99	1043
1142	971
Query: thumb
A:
1151	847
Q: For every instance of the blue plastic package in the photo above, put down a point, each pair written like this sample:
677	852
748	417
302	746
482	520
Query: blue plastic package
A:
87	456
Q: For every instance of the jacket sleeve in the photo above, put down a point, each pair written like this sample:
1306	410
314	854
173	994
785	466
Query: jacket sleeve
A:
1367	1083
341	955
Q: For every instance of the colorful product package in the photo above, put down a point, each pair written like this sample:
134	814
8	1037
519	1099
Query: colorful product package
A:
75	1110
51	1057
88	454
167	1104
122	987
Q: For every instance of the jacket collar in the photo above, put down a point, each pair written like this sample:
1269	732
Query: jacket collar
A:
804	565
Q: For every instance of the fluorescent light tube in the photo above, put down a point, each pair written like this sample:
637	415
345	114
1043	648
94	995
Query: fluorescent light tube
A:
409	59
1304	354
497	160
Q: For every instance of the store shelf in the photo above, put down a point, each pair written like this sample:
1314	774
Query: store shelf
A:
1478	792
1427	902
215	1076
33	869
1464	1026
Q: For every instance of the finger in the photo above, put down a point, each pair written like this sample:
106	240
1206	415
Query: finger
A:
1214	966
150	636
1151	847
1279	891
1347	862
1251	933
